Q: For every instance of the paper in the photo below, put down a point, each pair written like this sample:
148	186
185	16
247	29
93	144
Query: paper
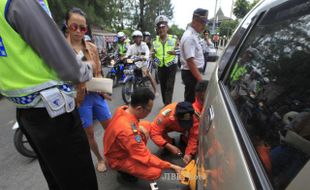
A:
100	85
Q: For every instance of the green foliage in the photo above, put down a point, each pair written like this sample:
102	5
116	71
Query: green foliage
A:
241	8
116	15
227	27
175	30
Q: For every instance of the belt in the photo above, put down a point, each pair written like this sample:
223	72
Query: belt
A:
33	100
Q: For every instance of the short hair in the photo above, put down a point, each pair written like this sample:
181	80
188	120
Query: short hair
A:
201	86
206	31
141	97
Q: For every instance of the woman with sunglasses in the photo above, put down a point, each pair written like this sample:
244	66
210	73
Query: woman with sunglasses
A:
91	104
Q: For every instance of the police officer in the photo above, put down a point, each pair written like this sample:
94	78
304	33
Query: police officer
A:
35	60
122	46
164	47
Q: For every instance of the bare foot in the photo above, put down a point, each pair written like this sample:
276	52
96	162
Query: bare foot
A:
101	166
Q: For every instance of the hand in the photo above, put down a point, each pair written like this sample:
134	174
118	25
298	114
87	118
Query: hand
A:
173	149
176	168
187	159
171	52
106	96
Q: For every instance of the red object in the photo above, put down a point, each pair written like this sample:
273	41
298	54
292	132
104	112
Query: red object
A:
74	27
125	150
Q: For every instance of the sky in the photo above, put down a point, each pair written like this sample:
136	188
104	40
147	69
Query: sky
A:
183	9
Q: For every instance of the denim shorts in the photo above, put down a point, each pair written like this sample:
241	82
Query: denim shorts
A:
93	107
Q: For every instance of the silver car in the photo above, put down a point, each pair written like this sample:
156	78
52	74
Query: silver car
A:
255	126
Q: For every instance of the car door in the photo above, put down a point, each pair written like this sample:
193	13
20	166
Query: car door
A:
260	81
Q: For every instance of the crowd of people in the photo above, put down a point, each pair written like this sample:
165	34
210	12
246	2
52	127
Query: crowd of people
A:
56	111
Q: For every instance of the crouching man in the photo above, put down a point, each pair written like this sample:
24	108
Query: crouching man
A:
180	117
125	142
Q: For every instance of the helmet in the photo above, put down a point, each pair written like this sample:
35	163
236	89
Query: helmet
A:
120	34
161	18
146	33
137	33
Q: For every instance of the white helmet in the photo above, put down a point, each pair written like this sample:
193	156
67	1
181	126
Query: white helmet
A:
120	34
146	33
161	18
137	33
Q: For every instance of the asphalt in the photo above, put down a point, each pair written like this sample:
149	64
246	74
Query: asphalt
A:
21	173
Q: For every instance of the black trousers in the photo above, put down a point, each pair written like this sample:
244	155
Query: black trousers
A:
62	148
166	77
190	82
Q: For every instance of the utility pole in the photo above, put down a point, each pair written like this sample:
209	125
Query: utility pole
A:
213	26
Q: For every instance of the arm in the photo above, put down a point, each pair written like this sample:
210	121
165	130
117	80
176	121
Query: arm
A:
140	152
157	130
189	55
191	147
192	67
43	35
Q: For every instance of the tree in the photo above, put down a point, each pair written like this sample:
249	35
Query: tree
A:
227	27
175	30
241	8
116	15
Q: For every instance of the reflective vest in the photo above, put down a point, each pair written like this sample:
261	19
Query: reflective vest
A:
161	56
122	49
237	72
22	70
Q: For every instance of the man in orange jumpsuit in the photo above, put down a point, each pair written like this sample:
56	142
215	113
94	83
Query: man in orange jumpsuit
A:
180	117
125	143
200	94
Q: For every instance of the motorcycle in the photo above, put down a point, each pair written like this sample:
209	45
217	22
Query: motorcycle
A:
21	143
134	78
116	73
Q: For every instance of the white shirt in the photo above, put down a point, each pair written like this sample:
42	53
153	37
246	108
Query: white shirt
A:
190	47
141	50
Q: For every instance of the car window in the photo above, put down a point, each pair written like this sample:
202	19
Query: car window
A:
269	84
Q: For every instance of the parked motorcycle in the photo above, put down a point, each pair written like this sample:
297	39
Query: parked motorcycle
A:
21	143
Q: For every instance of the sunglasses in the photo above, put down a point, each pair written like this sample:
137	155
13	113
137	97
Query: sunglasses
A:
74	27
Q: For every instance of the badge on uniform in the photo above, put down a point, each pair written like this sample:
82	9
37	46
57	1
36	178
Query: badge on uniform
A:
2	49
159	121
135	132
166	112
138	138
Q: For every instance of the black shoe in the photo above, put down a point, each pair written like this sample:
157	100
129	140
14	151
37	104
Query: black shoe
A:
127	177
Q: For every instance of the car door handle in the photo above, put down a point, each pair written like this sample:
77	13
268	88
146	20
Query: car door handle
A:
210	115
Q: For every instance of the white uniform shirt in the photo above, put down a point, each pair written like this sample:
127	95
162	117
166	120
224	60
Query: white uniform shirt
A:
190	47
141	50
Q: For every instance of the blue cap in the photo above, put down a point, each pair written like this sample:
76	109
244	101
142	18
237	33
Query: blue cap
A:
184	113
202	14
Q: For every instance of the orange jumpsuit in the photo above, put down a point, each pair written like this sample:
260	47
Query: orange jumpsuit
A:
125	148
165	122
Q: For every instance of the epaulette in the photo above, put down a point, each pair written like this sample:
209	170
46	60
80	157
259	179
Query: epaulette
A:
197	114
166	112
135	132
